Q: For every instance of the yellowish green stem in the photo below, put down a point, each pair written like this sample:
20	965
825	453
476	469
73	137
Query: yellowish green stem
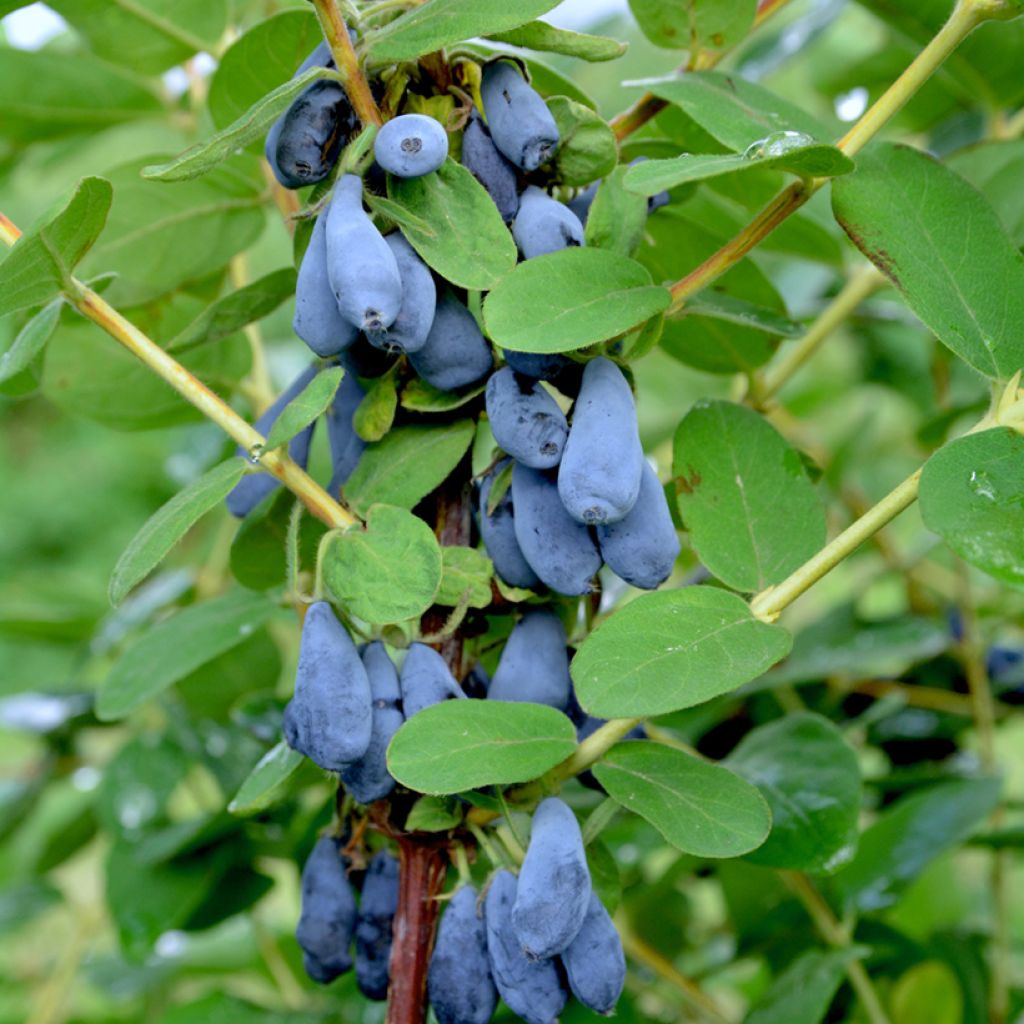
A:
356	86
862	284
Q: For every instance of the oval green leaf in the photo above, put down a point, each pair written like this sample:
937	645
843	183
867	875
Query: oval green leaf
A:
809	775
811	160
570	299
588	149
170	523
744	495
407	464
945	249
262	787
438	23
387	571
972	495
539	35
463	744
454	225
700	808
671	650
694	24
178	646
306	407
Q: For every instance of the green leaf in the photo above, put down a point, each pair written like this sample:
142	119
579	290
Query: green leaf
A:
407	464
467	576
263	787
617	218
253	124
236	310
908	836
700	808
803	992
945	249
694	24
45	94
419	396
809	159
169	524
671	650
570	299
307	406
439	23
972	495
466	242
995	169
146	35
387	571
841	643
433	814
259	61
734	111
42	261
177	646
928	993
587	150
744	495
31	340
463	744
160	238
539	35
810	777
732	310
376	412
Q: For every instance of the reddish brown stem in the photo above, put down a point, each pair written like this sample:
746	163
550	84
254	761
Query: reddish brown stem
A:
423	863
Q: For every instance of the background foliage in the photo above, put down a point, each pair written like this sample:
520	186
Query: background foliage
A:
131	891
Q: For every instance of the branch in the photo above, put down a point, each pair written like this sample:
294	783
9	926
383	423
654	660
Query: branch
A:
193	390
839	937
966	16
766	384
336	33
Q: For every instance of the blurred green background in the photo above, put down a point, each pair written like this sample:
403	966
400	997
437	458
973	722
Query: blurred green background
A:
96	923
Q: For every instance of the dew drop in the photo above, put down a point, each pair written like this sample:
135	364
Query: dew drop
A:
255	453
981	485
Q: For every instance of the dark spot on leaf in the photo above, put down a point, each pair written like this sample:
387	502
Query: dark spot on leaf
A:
688	484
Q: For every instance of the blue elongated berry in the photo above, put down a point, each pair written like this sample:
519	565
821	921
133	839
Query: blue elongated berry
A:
595	963
419	301
303	143
499	535
560	550
642	548
518	118
554	883
328	917
426	679
482	158
411	145
329	718
599	476
346	445
361	267
254	487
373	932
318	321
544	224
456	354
368	779
459	980
364	360
533	989
525	420
534	665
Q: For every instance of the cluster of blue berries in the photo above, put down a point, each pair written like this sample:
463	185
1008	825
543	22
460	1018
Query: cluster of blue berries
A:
565	494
